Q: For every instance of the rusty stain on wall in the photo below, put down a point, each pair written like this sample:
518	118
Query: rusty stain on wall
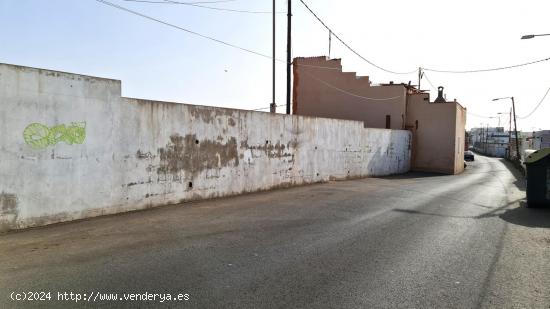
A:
188	154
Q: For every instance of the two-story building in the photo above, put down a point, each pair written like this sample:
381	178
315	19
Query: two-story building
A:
322	89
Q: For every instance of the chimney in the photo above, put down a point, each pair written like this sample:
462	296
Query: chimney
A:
440	98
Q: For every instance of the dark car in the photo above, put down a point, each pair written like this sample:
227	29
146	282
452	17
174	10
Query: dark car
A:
468	156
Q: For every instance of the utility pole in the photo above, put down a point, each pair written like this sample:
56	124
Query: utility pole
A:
515	125
329	42
288	56
510	137
516	129
510	117
482	144
487	140
419	77
273	106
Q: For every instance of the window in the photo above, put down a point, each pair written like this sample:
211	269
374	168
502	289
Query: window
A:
388	121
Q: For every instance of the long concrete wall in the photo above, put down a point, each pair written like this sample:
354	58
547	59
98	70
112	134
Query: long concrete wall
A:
71	147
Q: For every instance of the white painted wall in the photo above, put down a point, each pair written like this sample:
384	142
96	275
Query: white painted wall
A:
138	154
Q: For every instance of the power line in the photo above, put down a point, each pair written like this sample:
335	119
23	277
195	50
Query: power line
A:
536	107
264	108
470	113
488	70
327	84
480	116
191	32
350	93
425	76
351	49
186	30
428	80
425	69
314	66
198	4
178	2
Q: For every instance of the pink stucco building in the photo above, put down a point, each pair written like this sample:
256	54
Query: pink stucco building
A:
321	89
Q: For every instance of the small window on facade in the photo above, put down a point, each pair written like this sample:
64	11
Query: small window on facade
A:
388	121
416	124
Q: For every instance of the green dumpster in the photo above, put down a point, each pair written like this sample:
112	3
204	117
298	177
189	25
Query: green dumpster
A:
538	178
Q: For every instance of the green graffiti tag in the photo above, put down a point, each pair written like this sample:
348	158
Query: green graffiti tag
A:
39	136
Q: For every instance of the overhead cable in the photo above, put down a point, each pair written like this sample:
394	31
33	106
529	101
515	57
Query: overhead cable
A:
488	70
186	30
279	60
536	107
349	47
314	66
199	5
428	80
179	2
350	93
414	71
480	116
264	108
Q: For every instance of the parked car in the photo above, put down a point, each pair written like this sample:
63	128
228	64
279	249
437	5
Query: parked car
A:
468	156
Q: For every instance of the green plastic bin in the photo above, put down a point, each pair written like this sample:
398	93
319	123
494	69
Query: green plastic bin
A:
537	165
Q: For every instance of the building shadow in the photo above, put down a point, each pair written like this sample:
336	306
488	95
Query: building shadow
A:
528	217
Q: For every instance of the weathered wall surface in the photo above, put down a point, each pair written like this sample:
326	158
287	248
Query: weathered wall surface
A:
321	89
73	148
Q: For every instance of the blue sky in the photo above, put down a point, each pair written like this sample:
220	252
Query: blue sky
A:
161	63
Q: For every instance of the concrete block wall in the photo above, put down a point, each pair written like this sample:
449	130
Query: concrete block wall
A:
73	148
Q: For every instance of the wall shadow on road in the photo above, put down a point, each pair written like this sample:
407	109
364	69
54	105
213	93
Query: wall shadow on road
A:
416	212
413	175
520	182
528	217
521	215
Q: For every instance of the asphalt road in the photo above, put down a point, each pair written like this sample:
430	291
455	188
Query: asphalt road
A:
409	241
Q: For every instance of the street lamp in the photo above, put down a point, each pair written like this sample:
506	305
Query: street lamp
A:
515	124
530	36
